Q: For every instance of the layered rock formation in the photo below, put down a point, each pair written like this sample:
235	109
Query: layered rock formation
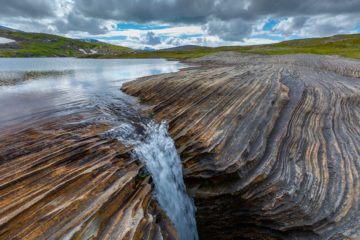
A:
63	180
270	147
270	144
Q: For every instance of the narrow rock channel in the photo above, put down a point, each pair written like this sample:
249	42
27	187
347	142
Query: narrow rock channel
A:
156	150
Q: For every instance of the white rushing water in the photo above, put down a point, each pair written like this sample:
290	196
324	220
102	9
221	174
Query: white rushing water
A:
157	151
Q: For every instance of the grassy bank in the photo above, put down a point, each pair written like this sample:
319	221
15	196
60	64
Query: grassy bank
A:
342	45
47	45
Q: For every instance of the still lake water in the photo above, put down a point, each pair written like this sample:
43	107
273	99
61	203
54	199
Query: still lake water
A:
85	84
91	88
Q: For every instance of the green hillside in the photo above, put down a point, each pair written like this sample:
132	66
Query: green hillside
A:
341	45
47	45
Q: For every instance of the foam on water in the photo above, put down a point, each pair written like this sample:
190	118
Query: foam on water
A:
156	149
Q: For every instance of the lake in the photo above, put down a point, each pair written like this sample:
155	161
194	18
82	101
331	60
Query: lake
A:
71	85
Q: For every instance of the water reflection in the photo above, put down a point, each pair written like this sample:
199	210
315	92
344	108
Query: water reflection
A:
86	85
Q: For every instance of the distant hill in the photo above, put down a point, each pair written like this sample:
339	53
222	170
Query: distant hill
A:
2	28
346	45
90	40
147	49
340	45
47	45
185	48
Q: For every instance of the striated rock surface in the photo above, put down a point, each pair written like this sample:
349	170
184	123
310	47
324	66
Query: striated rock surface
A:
270	144
63	180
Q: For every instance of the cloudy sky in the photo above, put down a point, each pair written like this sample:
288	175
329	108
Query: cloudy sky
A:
168	23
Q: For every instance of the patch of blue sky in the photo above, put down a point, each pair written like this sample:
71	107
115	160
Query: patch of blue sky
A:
270	24
137	26
358	28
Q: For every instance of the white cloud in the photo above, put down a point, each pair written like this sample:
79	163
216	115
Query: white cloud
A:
140	41
257	41
317	26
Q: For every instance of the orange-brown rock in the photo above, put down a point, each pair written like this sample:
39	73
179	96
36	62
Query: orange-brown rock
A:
64	181
270	144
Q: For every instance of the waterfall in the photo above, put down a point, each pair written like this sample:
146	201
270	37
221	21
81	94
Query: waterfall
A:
157	151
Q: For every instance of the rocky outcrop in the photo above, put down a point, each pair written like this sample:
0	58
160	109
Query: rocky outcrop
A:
64	180
270	144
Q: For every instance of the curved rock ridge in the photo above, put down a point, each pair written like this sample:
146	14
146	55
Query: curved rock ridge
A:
66	181
270	144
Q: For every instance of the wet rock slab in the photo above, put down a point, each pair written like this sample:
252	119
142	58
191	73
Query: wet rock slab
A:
63	180
270	144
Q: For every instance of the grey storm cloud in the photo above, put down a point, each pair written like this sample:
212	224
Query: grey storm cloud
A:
232	30
228	19
77	22
148	10
28	8
200	10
